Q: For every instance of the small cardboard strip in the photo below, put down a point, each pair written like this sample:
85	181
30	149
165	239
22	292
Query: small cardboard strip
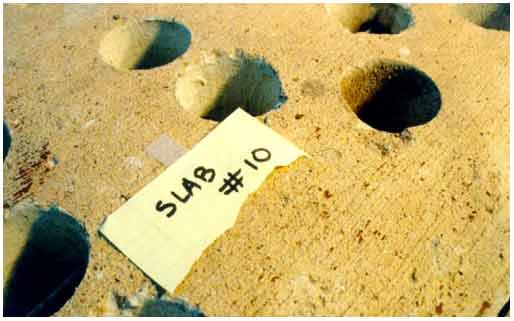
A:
165	150
167	225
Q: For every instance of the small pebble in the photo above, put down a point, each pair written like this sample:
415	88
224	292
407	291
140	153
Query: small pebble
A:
404	52
89	123
51	163
134	161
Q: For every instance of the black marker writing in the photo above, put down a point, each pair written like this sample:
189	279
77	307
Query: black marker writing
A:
162	207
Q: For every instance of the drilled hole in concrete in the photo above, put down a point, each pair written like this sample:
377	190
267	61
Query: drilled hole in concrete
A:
7	140
46	253
144	44
169	308
390	95
223	83
487	15
385	18
504	311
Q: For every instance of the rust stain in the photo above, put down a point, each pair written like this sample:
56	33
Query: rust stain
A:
485	305
26	174
439	308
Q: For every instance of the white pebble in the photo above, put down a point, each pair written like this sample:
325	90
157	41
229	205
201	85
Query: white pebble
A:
404	52
134	161
89	123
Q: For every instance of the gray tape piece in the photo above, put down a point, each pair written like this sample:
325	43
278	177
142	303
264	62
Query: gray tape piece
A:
165	150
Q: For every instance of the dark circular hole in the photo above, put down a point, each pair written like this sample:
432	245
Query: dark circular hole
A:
223	83
488	15
7	140
145	44
48	264
391	96
378	18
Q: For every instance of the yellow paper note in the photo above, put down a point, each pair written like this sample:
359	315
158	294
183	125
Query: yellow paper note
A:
167	225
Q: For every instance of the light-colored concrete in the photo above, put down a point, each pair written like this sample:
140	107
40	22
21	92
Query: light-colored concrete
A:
374	223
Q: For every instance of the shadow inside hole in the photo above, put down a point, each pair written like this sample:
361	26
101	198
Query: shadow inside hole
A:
499	19
7	140
504	310
164	308
389	19
171	41
395	97
256	88
50	266
487	15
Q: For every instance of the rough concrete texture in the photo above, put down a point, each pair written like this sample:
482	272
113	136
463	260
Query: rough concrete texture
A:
376	222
